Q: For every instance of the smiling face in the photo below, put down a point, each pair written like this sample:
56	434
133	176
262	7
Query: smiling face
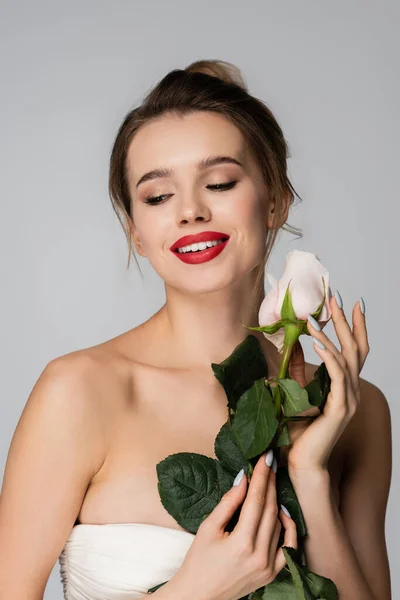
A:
187	202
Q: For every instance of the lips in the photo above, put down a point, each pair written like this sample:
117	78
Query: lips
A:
204	236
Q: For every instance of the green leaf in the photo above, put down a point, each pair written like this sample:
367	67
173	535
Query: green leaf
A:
320	586
255	423
256	595
295	397
287	496
314	392
238	372
315	314
319	388
156	587
284	588
190	486
283	438
280	590
290	583
287	310
298	576
267	328
318	312
228	452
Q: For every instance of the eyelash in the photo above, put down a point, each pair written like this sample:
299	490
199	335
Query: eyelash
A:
218	187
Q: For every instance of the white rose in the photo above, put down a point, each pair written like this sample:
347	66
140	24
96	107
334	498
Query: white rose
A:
305	272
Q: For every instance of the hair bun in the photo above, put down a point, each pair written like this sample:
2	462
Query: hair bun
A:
226	71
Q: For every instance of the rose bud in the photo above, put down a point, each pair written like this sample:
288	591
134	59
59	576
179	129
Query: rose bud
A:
304	286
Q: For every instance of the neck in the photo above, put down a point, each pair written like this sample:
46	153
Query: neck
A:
204	328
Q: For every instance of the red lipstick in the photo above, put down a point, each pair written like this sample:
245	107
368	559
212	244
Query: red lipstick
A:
200	255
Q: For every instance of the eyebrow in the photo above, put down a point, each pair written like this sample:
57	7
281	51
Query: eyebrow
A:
202	165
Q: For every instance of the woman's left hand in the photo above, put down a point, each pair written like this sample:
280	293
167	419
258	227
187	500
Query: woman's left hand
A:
312	443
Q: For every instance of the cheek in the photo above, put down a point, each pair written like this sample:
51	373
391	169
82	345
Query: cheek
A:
250	219
251	237
152	230
247	206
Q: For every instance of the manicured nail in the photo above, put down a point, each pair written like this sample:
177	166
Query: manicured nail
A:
238	477
339	299
314	323
362	306
269	457
285	510
274	465
320	344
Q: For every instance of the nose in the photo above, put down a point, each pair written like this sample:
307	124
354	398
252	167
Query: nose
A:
192	210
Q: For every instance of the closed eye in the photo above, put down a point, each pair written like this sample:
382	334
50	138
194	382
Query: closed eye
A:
217	187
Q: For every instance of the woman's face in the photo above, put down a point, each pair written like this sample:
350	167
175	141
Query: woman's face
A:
188	204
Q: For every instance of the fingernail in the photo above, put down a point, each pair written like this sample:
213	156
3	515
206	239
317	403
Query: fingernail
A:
320	344
362	306
274	465
314	323
285	510
238	477
339	299
269	457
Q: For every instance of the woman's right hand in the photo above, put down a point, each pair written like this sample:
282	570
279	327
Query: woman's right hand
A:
226	566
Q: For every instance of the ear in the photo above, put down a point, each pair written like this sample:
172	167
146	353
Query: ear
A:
135	238
274	220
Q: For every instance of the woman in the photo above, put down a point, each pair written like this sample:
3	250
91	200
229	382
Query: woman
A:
199	156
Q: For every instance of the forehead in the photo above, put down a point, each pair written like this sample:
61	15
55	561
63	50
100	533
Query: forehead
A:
181	141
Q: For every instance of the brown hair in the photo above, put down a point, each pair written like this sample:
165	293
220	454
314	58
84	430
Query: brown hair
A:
215	86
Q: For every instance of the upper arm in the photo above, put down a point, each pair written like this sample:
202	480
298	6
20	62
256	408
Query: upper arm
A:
365	489
55	451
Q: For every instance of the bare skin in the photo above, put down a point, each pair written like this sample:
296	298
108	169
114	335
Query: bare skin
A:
99	420
174	410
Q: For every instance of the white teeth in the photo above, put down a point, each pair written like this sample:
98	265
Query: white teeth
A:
199	246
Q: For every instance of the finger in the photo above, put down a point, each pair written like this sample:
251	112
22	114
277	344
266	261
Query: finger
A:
349	357
337	407
348	342
268	518
330	346
297	365
360	333
289	539
253	506
220	516
273	544
316	332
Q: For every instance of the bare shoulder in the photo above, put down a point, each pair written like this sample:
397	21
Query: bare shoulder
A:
94	364
370	427
85	385
104	372
366	485
75	368
98	371
74	378
371	422
373	401
65	396
57	447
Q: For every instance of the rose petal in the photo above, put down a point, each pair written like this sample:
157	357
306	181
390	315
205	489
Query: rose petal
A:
304	272
277	338
267	314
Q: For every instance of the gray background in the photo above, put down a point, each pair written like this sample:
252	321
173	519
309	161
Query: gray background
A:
69	73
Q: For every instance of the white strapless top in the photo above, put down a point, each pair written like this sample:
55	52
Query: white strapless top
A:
120	560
